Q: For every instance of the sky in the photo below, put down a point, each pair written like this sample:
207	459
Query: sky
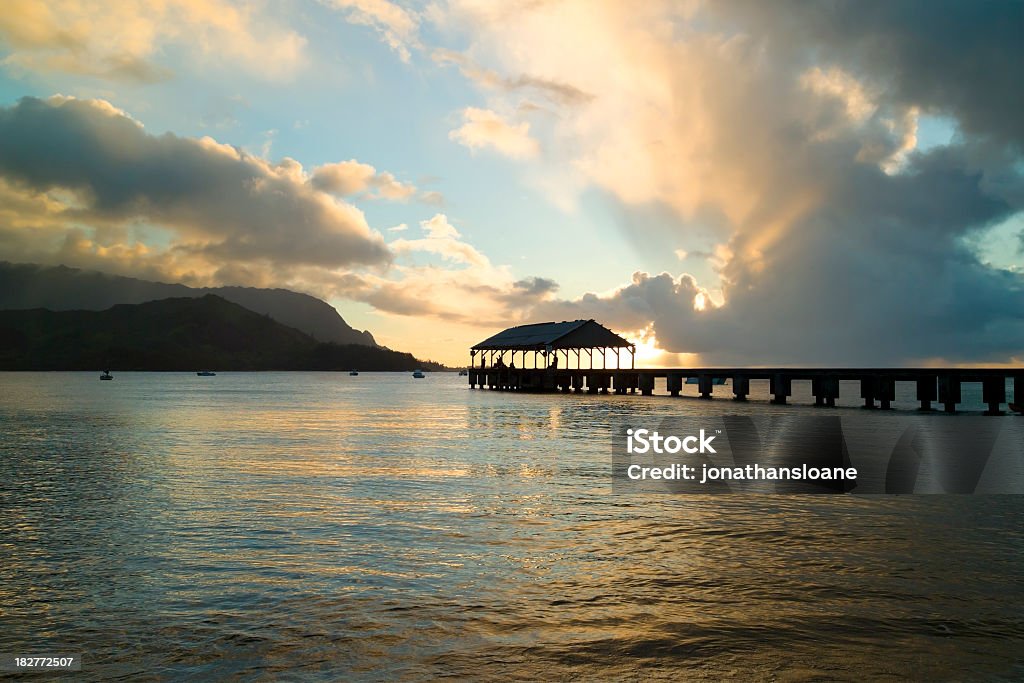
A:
728	182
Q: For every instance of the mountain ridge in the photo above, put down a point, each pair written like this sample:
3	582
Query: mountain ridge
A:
62	288
177	334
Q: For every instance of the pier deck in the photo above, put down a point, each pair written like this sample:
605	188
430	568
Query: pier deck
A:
877	385
553	346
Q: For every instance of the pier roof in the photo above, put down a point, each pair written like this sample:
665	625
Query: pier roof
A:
573	334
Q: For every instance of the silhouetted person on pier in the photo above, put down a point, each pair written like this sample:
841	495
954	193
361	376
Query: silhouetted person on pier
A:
512	365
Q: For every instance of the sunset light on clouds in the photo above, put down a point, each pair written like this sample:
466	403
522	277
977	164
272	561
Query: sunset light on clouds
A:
817	183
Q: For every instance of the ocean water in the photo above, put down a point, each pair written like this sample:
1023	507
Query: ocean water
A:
319	526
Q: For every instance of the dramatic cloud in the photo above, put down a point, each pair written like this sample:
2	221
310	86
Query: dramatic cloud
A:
82	183
483	128
784	141
960	58
479	295
439	276
85	164
787	152
120	40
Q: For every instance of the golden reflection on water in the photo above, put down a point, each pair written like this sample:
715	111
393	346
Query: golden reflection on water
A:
266	522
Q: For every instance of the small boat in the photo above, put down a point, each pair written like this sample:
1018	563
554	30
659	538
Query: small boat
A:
353	372
715	381
463	373
418	374
106	375
206	373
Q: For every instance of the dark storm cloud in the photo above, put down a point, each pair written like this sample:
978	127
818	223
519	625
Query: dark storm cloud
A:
217	199
881	272
856	249
877	275
953	56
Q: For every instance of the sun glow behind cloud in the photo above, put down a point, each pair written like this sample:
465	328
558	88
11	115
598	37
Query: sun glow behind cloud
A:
815	166
650	355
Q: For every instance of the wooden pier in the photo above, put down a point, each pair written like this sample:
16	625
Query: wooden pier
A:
877	385
549	343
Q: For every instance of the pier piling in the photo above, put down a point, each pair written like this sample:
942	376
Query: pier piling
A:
926	386
704	384
816	392
740	387
949	392
885	387
780	387
993	393
825	390
867	391
831	388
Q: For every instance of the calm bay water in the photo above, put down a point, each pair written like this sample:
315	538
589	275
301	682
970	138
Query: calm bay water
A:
323	526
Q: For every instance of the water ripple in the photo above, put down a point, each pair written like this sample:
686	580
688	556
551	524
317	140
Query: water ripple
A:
317	526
